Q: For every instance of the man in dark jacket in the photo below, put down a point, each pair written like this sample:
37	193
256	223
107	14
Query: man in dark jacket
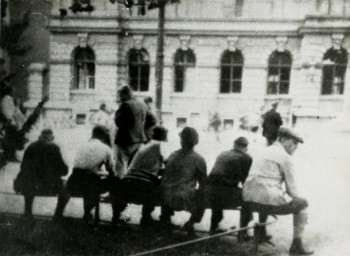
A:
41	170
271	124
131	119
230	169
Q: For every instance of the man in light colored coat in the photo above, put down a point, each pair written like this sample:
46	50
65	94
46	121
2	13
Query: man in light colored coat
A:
263	191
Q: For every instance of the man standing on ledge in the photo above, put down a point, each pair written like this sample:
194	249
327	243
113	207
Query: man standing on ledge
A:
271	124
263	191
131	119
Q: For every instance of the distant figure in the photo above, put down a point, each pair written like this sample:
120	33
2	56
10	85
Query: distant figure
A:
271	124
131	119
89	178
271	188
41	171
215	123
102	117
230	168
140	184
183	170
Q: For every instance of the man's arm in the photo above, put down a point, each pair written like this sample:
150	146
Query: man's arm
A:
58	162
247	163
123	115
289	179
150	120
201	171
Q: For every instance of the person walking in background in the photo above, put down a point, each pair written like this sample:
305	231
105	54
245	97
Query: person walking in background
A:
231	168
272	122
264	190
183	170
41	171
131	118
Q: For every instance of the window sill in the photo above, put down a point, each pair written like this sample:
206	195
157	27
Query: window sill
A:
237	95
83	91
278	96
182	95
335	97
143	93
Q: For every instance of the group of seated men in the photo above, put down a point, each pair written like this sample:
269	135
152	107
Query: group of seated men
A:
176	190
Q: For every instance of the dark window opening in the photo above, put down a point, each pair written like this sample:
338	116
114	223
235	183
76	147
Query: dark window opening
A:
80	118
184	59
333	71
181	122
231	72
280	65
139	68
228	124
83	68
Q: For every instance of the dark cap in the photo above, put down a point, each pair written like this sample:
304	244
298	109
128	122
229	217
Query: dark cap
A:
275	104
190	135
160	133
286	132
241	141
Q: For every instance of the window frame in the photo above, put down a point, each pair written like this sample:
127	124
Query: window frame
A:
328	86
140	67
83	58
279	66
183	59
231	65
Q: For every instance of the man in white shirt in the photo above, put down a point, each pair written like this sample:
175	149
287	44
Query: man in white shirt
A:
87	179
263	190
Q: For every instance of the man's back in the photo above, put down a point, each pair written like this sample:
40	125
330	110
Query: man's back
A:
131	118
148	158
230	168
184	168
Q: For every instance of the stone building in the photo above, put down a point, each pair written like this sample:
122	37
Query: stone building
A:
232	57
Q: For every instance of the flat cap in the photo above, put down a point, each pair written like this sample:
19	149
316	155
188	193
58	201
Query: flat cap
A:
286	132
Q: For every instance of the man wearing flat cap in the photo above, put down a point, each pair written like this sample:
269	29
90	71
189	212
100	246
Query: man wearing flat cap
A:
183	170
263	190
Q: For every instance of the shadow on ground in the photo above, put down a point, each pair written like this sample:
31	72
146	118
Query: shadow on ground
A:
73	237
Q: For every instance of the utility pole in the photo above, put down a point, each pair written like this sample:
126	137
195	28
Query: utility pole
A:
160	61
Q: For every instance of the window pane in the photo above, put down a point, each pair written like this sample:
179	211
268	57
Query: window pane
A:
285	74
237	84
272	88
144	77
225	79
327	80
179	78
133	77
284	87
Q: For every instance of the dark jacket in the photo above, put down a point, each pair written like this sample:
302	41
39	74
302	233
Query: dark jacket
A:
132	118
230	168
41	170
271	124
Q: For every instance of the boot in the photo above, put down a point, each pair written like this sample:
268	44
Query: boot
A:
243	237
260	234
297	248
188	227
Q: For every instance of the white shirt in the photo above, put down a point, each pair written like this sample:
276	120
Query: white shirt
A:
93	155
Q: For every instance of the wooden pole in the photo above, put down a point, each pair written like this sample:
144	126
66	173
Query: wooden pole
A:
160	61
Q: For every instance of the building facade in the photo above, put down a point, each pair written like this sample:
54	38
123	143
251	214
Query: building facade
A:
233	57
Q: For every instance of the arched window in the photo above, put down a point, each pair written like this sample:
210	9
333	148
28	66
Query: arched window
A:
280	65
231	72
83	68
184	61
333	71
138	62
